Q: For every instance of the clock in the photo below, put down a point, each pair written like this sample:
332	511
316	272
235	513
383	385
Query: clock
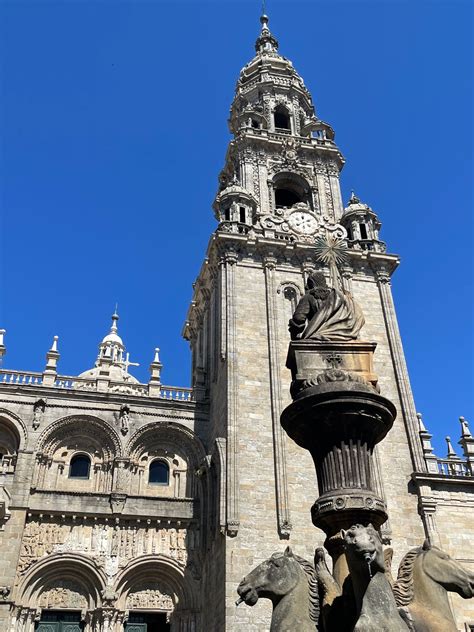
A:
303	222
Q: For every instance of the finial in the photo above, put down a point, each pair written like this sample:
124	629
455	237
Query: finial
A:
115	317
157	355
54	346
451	452
465	432
2	343
265	43
354	199
421	425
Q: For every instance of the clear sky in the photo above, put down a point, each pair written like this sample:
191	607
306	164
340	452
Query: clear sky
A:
114	130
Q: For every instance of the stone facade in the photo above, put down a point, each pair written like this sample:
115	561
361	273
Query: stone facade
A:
113	541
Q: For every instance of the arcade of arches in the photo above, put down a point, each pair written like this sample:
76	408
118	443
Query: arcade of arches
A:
94	571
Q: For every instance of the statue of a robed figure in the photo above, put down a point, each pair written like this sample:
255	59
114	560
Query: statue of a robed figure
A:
325	313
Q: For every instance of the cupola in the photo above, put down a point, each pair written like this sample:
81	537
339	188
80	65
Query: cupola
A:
112	357
234	204
362	226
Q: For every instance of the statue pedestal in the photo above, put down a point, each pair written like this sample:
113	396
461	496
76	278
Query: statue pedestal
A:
308	359
339	416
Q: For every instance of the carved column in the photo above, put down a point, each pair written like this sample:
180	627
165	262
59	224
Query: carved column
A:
401	371
233	517
279	445
323	205
339	417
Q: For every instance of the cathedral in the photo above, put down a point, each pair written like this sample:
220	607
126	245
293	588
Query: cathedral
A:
140	506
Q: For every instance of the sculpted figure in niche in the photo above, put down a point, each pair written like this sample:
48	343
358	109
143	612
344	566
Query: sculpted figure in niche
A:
325	313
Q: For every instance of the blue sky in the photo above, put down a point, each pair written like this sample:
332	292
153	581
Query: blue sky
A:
114	129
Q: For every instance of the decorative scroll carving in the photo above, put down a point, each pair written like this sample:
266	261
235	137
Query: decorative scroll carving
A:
309	227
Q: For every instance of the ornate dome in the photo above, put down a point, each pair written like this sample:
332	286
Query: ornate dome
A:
112	354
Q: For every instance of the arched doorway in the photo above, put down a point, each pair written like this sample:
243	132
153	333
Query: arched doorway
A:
158	595
60	621
149	604
147	622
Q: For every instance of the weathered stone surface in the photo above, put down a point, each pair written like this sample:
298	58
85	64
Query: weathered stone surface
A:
425	576
288	582
325	313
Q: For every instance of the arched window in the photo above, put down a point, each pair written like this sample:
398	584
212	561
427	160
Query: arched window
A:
80	466
159	473
286	197
281	118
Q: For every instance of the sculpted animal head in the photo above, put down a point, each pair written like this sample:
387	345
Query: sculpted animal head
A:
272	578
279	575
433	563
363	545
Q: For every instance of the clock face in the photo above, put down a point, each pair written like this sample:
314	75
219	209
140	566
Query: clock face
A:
303	223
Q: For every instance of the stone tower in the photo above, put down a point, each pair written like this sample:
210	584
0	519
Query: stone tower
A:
138	507
278	205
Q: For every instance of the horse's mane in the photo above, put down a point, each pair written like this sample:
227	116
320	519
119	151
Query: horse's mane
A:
312	587
403	587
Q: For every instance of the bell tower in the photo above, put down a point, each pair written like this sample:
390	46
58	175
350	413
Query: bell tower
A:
282	154
279	209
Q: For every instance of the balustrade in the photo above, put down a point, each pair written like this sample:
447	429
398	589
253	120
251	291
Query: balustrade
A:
69	382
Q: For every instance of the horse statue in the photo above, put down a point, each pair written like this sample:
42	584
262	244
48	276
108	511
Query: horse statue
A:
425	575
373	593
365	603
289	581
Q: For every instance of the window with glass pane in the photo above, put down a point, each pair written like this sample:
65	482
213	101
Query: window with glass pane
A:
80	466
159	473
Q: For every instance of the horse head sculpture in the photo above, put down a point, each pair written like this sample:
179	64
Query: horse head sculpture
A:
374	601
289	582
363	548
425	575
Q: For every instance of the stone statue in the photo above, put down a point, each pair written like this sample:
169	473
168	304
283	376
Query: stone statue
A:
325	313
365	603
425	575
289	582
374	599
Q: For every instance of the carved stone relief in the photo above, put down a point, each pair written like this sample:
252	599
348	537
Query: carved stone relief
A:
152	596
111	545
65	594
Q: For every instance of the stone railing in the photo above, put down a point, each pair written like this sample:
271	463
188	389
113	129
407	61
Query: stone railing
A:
367	244
177	393
452	465
21	377
73	383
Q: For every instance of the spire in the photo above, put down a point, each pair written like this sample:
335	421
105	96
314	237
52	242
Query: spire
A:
266	43
467	444
115	317
52	357
154	385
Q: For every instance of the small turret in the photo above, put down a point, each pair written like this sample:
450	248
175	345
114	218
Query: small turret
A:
362	226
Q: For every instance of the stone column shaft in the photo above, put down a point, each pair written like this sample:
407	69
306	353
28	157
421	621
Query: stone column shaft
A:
401	371
233	517
279	445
